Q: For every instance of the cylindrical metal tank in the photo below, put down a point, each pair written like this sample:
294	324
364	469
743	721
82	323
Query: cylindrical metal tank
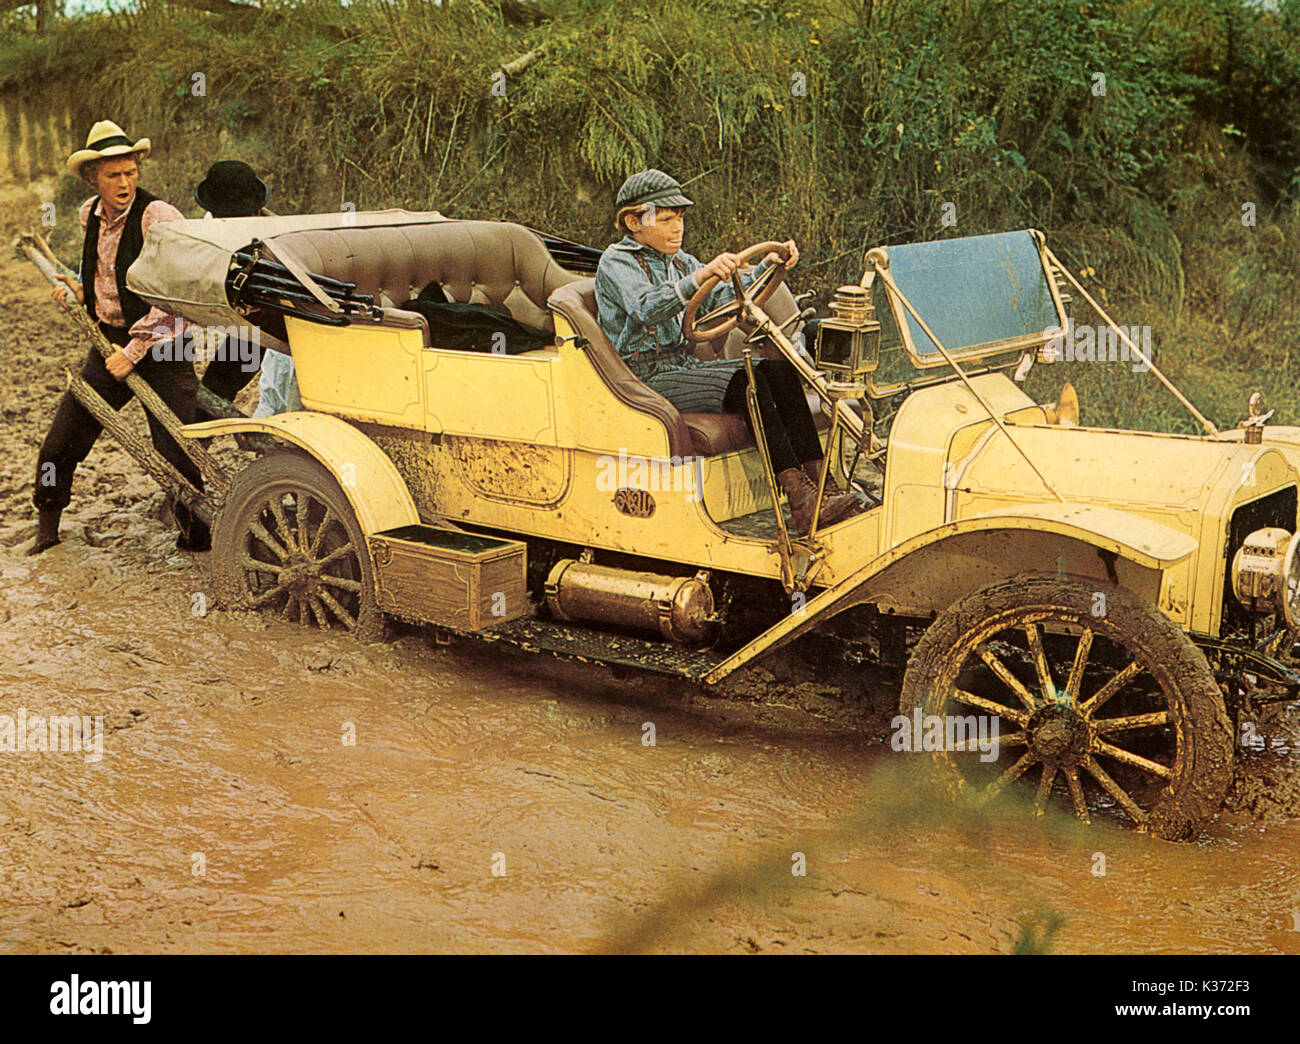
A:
679	607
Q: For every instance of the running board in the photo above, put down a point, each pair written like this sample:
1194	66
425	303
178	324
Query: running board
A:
591	645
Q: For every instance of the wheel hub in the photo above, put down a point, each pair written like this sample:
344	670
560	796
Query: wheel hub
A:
300	573
1059	736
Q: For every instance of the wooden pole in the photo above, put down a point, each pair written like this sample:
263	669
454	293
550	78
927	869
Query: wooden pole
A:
207	399
213	473
158	467
1205	422
44	248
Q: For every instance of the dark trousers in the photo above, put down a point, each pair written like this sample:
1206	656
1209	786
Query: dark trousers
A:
789	426
225	378
74	431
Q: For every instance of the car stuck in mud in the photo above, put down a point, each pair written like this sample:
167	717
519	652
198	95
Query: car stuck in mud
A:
1098	600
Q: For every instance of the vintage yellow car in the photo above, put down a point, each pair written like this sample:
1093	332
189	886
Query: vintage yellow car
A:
1100	597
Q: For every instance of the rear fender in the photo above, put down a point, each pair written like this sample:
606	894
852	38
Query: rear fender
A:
374	488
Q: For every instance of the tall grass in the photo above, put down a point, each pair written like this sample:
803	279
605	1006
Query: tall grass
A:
841	123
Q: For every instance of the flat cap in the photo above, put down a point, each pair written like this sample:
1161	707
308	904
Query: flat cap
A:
652	186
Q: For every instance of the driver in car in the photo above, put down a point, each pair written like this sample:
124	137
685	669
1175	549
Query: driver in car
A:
644	282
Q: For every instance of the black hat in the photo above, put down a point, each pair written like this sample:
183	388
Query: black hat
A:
231	189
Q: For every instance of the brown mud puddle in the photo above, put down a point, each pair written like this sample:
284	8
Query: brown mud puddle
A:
498	802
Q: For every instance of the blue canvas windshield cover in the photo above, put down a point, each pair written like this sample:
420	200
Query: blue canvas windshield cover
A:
974	292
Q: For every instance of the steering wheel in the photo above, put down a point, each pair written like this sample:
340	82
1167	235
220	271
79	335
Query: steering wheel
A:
723	320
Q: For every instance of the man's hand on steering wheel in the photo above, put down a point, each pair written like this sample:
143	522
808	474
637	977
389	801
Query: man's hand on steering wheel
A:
721	267
779	258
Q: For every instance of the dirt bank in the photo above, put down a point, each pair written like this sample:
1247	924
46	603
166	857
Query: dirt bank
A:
228	812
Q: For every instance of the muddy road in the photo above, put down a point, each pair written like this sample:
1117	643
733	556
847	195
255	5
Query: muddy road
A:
264	788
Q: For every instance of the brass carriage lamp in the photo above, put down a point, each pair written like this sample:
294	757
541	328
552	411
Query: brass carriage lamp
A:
848	349
848	343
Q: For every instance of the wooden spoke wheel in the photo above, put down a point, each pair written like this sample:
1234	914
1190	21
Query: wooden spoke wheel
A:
1104	706
286	541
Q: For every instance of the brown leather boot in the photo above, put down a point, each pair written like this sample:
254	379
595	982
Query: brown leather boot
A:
834	503
194	534
802	494
47	530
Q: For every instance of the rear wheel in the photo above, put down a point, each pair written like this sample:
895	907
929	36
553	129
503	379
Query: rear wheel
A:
1103	705
286	541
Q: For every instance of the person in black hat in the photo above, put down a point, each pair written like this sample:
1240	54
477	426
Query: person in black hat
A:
230	189
643	284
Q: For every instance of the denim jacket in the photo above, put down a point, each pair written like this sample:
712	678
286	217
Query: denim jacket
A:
642	316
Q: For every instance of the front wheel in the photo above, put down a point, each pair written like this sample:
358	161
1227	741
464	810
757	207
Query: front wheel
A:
287	541
1099	700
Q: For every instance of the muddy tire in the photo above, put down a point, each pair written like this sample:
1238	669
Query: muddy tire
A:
1105	705
286	541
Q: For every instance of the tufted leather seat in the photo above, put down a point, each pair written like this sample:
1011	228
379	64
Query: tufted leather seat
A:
503	264
704	434
479	262
576	301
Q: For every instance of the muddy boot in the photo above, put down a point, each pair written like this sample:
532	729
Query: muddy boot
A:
194	534
47	530
836	506
802	494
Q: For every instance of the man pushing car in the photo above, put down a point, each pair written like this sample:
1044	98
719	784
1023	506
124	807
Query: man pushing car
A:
115	221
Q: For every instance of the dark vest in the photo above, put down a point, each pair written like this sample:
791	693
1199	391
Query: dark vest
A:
128	249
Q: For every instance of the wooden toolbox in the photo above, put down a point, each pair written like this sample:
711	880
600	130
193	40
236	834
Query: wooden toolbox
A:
447	577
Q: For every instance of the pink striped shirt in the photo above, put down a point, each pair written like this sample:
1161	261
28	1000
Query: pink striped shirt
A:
107	305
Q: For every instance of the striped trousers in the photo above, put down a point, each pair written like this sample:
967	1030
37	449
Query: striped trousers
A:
719	387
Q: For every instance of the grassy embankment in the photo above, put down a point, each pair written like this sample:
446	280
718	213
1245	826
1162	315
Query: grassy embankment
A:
841	124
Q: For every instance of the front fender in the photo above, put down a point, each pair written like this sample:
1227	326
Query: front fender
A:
374	488
1149	543
924	575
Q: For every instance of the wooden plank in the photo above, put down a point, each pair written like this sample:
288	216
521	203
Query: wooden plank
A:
158	467
213	473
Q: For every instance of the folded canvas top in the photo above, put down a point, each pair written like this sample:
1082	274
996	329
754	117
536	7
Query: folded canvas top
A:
184	264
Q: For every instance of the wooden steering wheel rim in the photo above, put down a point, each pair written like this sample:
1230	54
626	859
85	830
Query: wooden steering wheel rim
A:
701	295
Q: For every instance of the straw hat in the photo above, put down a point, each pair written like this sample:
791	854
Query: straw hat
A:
104	141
